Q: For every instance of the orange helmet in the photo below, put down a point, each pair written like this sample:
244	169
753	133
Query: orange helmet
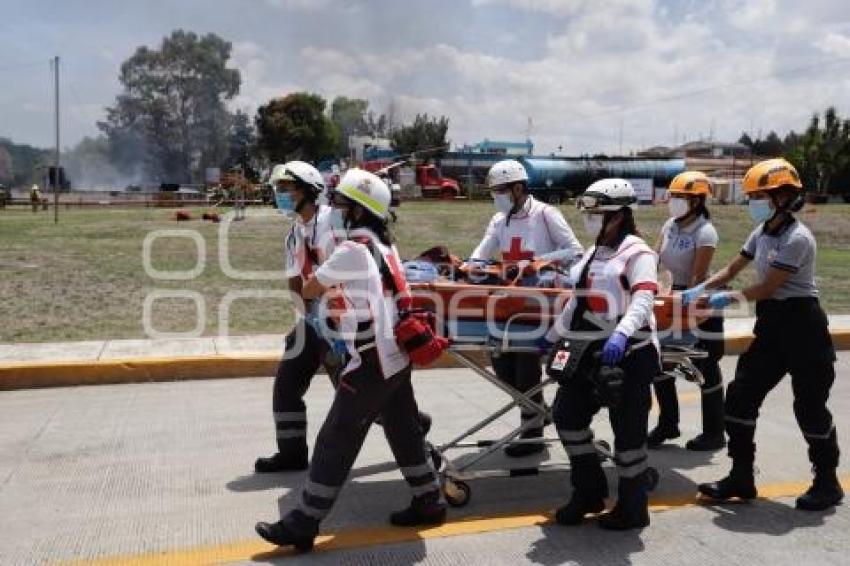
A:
690	183
771	174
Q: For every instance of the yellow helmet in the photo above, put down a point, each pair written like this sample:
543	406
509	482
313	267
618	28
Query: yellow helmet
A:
690	183
771	174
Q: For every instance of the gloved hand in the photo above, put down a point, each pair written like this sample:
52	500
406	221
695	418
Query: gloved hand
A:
719	301
339	348
692	294
543	345
614	349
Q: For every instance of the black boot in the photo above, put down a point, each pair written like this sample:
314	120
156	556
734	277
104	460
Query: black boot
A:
712	437
288	532
740	484
294	459
825	492
590	488
632	508
661	433
706	443
427	510
526	449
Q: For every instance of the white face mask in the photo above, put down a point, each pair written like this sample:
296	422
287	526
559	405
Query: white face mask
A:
678	207
503	202
593	223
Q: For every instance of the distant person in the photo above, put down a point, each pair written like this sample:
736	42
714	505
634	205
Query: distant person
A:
791	336
35	197
685	248
523	229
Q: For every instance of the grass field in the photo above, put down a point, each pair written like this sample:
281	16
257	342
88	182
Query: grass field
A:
84	279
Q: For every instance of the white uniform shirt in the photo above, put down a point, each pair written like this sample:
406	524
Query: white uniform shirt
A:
793	250
317	235
632	263
536	229
352	269
679	245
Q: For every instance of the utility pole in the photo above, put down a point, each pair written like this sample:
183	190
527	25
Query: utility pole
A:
56	176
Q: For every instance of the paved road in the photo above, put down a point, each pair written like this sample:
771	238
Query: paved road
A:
162	473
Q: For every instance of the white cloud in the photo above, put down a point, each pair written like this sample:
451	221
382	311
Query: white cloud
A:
835	44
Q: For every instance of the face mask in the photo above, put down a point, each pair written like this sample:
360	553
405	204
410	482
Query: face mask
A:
503	202
678	207
284	203
760	210
337	220
593	223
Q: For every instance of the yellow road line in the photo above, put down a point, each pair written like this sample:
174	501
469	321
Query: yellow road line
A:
357	538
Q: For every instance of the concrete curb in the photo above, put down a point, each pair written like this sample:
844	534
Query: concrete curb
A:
31	375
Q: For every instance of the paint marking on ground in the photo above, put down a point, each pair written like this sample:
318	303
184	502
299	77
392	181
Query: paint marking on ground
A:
243	551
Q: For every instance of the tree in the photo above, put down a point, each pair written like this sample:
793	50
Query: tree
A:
746	140
425	132
27	162
295	127
822	154
171	113
349	116
241	142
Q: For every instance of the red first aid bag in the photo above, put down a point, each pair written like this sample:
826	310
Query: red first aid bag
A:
415	334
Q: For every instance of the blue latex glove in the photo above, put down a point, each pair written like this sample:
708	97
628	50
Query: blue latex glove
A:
339	348
543	345
692	294
614	349
720	301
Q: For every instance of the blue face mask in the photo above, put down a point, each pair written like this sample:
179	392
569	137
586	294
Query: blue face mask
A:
503	202
337	220
760	210
284	203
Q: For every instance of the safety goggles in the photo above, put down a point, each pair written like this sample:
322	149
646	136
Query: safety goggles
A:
594	200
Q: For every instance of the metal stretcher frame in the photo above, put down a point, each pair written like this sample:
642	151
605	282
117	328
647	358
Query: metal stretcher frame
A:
454	473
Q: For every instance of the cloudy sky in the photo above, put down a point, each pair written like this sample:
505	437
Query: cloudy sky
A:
584	75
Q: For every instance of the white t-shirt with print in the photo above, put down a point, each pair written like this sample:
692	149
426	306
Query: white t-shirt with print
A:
679	245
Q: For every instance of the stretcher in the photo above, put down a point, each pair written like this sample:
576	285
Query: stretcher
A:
494	320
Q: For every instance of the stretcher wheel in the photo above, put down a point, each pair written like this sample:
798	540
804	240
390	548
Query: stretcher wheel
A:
457	492
652	478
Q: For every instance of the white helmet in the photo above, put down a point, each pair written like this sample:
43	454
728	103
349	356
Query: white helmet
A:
607	195
505	172
300	172
367	190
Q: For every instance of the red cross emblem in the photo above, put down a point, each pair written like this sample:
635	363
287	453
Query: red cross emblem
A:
516	253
